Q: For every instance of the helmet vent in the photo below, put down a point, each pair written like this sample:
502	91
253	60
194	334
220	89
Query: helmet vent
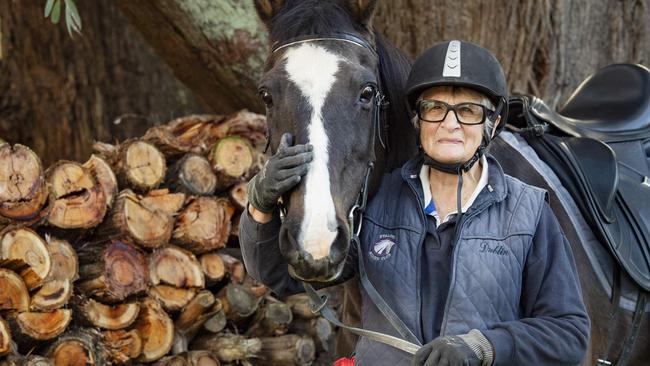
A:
452	60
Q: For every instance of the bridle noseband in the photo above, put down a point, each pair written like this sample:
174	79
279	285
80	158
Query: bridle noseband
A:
410	343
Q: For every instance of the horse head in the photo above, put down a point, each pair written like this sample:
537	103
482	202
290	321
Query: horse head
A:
321	84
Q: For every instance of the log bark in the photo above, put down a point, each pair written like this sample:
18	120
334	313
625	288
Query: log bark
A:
271	320
191	319
129	218
204	224
177	267
122	346
156	330
229	347
170	297
300	306
192	174
232	159
26	253
76	200
198	133
77	347
111	317
285	350
22	184
13	292
217	322
52	295
319	329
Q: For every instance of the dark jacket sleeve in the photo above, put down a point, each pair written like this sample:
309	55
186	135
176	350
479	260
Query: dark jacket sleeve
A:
554	329
264	262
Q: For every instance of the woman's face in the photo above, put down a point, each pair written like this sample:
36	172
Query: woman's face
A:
448	141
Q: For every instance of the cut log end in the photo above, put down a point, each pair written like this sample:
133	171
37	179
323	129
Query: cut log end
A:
193	175
126	270
65	263
43	326
213	267
142	165
53	295
77	348
13	292
76	199
177	267
110	317
22	186
204	224
156	330
231	158
122	346
28	255
105	177
170	297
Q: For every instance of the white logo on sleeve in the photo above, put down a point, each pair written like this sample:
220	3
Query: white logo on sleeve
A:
382	249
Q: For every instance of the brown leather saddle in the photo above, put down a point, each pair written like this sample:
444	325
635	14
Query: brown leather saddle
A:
598	144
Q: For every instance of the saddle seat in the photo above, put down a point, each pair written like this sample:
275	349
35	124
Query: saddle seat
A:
612	105
602	162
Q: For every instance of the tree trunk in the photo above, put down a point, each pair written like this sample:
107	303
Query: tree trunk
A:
547	48
60	93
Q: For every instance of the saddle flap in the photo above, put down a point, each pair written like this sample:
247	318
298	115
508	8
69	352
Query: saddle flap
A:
597	165
633	213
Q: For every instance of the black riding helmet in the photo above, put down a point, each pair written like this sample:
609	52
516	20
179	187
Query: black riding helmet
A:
464	64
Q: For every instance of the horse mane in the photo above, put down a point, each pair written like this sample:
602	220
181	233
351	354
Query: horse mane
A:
394	67
312	17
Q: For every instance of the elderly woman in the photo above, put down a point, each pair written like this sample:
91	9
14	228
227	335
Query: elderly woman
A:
472	260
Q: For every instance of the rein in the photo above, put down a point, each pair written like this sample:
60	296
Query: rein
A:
410	343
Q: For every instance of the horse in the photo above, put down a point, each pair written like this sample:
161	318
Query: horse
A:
328	65
335	76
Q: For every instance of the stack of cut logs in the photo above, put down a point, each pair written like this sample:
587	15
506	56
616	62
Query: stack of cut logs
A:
132	257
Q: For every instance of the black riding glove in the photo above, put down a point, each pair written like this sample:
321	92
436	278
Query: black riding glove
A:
471	349
280	173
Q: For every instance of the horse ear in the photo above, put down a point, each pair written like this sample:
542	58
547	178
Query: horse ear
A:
267	9
362	10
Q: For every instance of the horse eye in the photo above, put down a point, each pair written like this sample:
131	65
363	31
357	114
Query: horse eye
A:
266	98
366	94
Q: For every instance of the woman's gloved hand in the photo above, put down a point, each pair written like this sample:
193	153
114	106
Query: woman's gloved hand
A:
280	173
471	349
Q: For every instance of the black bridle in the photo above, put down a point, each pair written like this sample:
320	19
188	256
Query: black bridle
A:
410	342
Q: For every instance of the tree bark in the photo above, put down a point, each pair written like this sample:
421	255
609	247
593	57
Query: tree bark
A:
547	48
59	92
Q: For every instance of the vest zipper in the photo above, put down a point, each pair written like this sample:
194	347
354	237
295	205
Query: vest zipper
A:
454	252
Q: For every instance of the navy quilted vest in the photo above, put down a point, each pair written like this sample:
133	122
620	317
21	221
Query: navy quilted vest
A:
488	258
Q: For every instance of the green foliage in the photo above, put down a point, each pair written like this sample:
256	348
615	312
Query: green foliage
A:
72	18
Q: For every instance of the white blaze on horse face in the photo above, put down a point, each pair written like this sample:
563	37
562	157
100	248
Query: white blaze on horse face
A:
312	69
